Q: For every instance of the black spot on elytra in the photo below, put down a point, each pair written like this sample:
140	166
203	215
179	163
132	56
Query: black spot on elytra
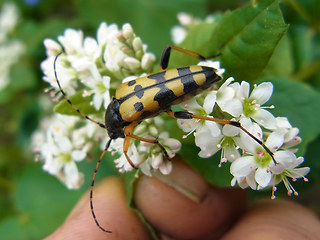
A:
139	92
132	82
138	106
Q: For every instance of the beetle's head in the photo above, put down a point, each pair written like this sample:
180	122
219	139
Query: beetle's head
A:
114	121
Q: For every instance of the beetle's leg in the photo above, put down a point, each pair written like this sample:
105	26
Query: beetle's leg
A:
167	51
128	130
68	100
188	115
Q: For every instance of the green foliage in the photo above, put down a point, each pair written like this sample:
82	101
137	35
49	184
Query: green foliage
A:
245	38
78	100
254	43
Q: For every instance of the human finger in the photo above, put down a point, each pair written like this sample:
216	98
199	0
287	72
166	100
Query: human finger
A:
112	213
276	219
183	205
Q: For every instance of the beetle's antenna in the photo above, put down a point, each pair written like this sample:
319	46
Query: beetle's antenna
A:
66	97
92	186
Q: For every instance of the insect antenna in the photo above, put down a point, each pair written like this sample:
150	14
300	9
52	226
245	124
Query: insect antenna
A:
68	100
92	186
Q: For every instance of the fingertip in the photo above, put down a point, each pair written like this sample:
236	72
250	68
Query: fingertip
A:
276	219
175	214
112	213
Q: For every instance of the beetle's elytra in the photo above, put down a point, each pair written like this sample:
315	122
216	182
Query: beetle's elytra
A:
148	96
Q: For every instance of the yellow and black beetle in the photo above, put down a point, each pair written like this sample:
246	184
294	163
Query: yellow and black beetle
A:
148	96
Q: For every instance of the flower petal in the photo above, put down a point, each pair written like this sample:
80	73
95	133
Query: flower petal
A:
166	167
243	166
233	107
263	177
209	102
275	141
265	118
299	172
243	91
262	92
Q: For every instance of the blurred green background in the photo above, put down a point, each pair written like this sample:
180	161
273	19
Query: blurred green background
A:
26	190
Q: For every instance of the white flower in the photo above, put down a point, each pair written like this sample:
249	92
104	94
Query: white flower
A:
10	49
191	125
52	47
178	34
60	146
9	17
244	182
213	64
72	41
67	76
288	169
60	161
256	158
147	156
291	137
252	104
106	34
226	99
9	54
122	163
99	87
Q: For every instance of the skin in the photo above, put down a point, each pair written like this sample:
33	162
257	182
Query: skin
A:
184	206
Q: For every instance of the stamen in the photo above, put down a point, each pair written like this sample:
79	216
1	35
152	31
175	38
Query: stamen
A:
289	187
274	189
268	107
185	136
260	153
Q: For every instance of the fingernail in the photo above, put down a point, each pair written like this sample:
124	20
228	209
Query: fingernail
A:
185	180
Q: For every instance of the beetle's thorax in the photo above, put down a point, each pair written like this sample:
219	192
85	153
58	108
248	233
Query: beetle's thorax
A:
113	120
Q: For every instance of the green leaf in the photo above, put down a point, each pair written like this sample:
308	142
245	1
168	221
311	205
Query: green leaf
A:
246	39
281	63
82	103
198	40
36	216
312	159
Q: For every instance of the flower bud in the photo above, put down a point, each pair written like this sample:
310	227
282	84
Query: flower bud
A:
147	61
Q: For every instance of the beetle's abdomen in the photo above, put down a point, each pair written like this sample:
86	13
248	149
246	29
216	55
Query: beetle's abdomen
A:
148	96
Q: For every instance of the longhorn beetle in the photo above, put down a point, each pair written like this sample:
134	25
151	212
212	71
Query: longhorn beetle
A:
148	96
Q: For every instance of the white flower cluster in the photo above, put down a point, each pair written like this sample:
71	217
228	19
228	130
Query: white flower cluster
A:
251	165
61	144
96	67
149	157
99	64
10	48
